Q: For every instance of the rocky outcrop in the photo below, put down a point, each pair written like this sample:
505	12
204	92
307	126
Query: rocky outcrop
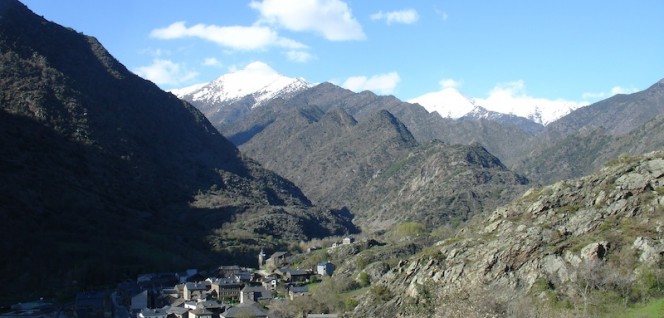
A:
569	241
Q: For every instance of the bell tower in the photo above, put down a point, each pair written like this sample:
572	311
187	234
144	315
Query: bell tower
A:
261	259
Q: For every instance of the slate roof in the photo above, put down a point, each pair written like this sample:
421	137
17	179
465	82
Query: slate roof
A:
196	286
299	289
241	309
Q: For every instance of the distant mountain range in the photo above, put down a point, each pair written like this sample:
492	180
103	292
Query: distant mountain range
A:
450	103
544	143
258	83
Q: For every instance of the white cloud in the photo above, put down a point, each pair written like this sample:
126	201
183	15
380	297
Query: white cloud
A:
165	72
379	84
511	98
235	37
622	90
449	83
211	61
407	16
299	56
332	19
596	96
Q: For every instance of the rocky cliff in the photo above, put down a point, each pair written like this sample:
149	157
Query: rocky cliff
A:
583	247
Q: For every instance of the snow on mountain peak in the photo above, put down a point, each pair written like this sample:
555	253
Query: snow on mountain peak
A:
449	103
508	99
257	79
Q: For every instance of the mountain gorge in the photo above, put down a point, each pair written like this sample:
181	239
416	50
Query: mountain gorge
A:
101	167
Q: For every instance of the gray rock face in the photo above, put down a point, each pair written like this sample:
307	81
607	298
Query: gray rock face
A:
559	240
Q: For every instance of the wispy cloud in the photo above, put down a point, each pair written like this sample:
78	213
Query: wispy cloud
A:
211	61
245	38
165	72
595	96
379	84
449	83
442	14
332	19
299	56
407	16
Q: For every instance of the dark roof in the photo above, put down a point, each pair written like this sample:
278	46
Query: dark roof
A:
200	311
177	310
209	304
236	311
264	293
299	289
196	286
299	272
225	281
146	312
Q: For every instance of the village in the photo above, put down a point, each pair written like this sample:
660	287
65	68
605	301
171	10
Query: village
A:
225	292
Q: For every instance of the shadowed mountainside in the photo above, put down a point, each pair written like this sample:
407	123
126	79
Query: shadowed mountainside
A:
102	171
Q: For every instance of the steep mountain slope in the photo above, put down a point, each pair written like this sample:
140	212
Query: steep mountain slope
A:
584	247
619	114
233	95
100	168
357	165
584	140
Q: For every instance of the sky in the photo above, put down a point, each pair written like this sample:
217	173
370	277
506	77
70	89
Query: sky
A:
567	50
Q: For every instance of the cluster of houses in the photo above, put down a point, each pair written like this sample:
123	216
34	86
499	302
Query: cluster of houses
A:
231	291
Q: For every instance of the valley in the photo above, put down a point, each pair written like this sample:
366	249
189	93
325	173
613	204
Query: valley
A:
105	177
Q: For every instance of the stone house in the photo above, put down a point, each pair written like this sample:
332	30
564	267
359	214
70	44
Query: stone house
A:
276	260
194	291
297	276
226	289
325	269
251	294
270	282
297	291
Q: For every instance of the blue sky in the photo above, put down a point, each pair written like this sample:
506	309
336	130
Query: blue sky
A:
569	50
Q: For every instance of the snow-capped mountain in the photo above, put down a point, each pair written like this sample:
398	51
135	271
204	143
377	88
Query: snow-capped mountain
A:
527	125
251	86
450	103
